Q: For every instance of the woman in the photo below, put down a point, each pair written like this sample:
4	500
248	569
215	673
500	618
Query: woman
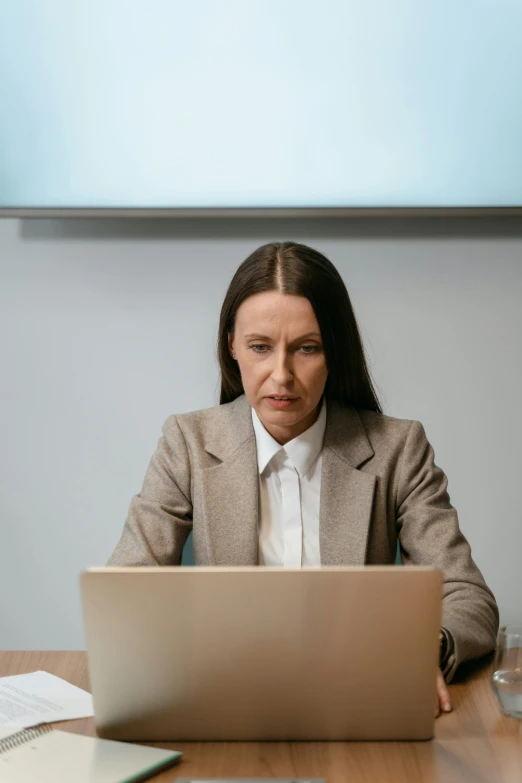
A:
298	465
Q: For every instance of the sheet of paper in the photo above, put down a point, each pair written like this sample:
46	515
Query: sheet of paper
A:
40	697
8	729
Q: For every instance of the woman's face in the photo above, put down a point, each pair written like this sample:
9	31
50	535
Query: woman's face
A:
277	344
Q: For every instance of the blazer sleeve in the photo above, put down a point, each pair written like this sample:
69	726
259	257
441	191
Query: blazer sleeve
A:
160	516
429	534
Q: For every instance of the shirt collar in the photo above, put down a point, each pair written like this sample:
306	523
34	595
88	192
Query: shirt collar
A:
302	451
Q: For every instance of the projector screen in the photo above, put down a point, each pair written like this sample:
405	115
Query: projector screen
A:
216	104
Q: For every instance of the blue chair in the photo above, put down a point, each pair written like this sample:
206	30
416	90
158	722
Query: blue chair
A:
187	558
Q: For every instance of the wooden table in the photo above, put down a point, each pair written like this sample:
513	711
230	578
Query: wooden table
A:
474	743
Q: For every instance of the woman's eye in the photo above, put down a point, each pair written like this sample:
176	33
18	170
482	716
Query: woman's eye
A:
262	348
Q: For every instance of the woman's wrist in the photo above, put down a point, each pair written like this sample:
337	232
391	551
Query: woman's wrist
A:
446	647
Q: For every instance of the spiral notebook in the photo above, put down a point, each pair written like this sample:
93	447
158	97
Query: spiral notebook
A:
44	755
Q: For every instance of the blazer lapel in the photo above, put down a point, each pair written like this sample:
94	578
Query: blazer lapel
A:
346	493
229	491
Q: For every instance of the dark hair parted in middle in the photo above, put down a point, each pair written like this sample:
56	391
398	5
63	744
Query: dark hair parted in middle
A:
291	268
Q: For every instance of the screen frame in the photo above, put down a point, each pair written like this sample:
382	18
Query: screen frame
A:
254	212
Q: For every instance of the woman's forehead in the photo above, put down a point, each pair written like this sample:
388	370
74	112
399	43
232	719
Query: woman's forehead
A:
275	309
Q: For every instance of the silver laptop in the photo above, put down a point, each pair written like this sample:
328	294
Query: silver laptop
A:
253	653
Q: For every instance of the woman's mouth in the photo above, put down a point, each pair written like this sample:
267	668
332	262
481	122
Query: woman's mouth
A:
281	402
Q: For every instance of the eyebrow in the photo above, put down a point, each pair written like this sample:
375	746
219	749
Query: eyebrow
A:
297	339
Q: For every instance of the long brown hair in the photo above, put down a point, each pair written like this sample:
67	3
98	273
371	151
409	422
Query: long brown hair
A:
297	269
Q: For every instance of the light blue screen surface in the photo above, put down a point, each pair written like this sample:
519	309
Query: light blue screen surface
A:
260	103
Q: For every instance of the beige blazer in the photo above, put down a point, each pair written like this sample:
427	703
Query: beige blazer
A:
379	484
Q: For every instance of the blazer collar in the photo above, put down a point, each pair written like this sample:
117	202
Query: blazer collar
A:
344	434
230	429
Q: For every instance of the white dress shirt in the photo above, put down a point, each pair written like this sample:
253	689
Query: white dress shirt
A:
289	495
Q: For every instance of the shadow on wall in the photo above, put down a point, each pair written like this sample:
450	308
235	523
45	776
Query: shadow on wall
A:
188	554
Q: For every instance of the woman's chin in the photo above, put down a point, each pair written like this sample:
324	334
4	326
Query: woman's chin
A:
290	410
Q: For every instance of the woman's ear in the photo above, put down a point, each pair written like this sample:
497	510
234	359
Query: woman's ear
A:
231	345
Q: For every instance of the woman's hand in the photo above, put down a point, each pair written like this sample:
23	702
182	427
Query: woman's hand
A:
443	699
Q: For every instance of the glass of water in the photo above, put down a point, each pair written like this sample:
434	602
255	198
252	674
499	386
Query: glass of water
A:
507	670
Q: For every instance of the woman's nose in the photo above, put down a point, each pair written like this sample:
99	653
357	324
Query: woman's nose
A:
282	371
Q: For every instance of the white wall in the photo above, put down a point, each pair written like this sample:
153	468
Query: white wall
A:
108	327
